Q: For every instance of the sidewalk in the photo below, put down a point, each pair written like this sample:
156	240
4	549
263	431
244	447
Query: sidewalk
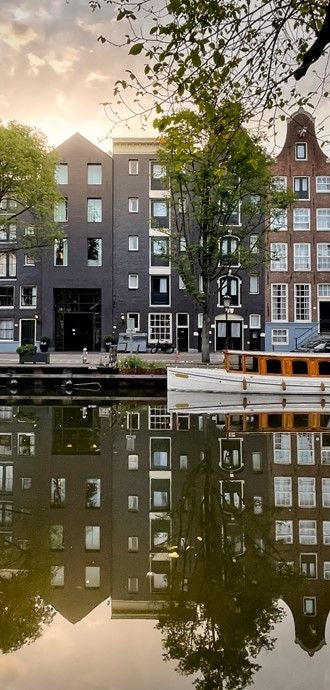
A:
96	358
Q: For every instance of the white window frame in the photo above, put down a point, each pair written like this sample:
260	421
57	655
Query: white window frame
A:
133	204
307	532
284	531
301	252
254	284
302	177
62	173
306	492
301	219
133	166
280	336
326	492
254	321
323	256
94	210
279	256
60	213
133	243
301	145
133	281
283	492
279	220
322	184
282	289
33	298
302	303
282	448
91	169
159	331
323	213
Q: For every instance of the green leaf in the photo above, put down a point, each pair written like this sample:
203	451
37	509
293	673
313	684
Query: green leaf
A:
136	49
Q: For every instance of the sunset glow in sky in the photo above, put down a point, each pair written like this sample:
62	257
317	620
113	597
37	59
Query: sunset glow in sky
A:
53	72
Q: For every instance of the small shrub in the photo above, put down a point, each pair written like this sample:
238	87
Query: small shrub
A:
133	362
28	349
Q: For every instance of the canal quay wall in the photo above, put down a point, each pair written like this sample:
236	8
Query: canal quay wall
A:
74	373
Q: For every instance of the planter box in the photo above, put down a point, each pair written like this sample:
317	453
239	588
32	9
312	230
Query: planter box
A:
34	358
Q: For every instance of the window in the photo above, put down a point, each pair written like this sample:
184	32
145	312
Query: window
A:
93	493
29	260
133	281
92	576
57	492
133	421
133	167
159	418
284	531
133	205
57	576
254	248
94	210
29	231
133	544
323	219
301	187
254	284
61	252
280	336
305	449
323	257
134	316
6	444
279	256
283	491
322	184
8	233
309	604
157	176
282	448
159	290
326	532
257	505
160	500
280	183
28	296
229	286
62	173
183	462
133	243
301	152
181	284
6	329
94	252
56	537
92	538
6	479
159	213
26	483
60	211
26	444
6	296
94	173
279	219
279	292
133	461
308	565
159	251
301	256
7	265
229	251
326	570
326	492
133	585
160	327
302	302
160	453
256	461
255	321
301	218
307	532
133	503
306	492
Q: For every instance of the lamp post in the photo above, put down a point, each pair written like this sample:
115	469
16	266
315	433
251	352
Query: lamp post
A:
226	304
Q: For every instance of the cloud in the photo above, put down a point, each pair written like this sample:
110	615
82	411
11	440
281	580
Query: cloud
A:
16	35
96	77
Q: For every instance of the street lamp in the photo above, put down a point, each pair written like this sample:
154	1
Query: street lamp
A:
226	303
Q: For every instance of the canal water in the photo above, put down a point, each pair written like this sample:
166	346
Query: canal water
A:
144	549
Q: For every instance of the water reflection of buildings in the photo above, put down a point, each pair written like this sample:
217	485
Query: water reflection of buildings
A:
100	488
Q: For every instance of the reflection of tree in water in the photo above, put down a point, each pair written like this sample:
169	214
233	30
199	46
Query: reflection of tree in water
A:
226	579
24	581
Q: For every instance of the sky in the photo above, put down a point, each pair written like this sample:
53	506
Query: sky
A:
54	73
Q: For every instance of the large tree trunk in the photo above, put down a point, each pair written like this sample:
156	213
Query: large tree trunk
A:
205	339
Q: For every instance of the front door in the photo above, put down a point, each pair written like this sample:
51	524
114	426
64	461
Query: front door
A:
229	333
78	332
28	331
182	339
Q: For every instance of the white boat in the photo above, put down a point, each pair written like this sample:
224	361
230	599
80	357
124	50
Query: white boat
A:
292	373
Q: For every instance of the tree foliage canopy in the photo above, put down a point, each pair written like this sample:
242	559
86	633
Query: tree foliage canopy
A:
241	50
28	189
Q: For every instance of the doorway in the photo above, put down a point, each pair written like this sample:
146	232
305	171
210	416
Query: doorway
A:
324	317
28	332
230	332
182	332
78	332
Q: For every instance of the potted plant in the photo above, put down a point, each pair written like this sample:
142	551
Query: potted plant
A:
28	354
44	343
109	340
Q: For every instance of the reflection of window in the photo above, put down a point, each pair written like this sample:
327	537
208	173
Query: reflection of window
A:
57	576
93	493
94	252
92	576
305	449
307	531
282	448
159	581
57	492
160	453
160	539
256	461
283	491
26	483
133	461
133	585
6	478
309	606
229	253
308	565
183	462
94	173
6	444
8	233
306	492
284	531
56	537
92	538
133	503
326	492
94	210
26	444
133	420
133	544
29	260
326	532
160	499
326	570
61	252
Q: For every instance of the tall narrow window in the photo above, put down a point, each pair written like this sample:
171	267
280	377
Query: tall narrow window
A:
94	210
94	252
279	302
279	256
302	302
61	211
62	173
57	492
61	252
7	265
94	173
93	493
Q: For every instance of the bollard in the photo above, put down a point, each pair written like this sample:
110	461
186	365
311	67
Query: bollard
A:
84	355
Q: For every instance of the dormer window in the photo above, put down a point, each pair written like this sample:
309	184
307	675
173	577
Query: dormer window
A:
301	152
